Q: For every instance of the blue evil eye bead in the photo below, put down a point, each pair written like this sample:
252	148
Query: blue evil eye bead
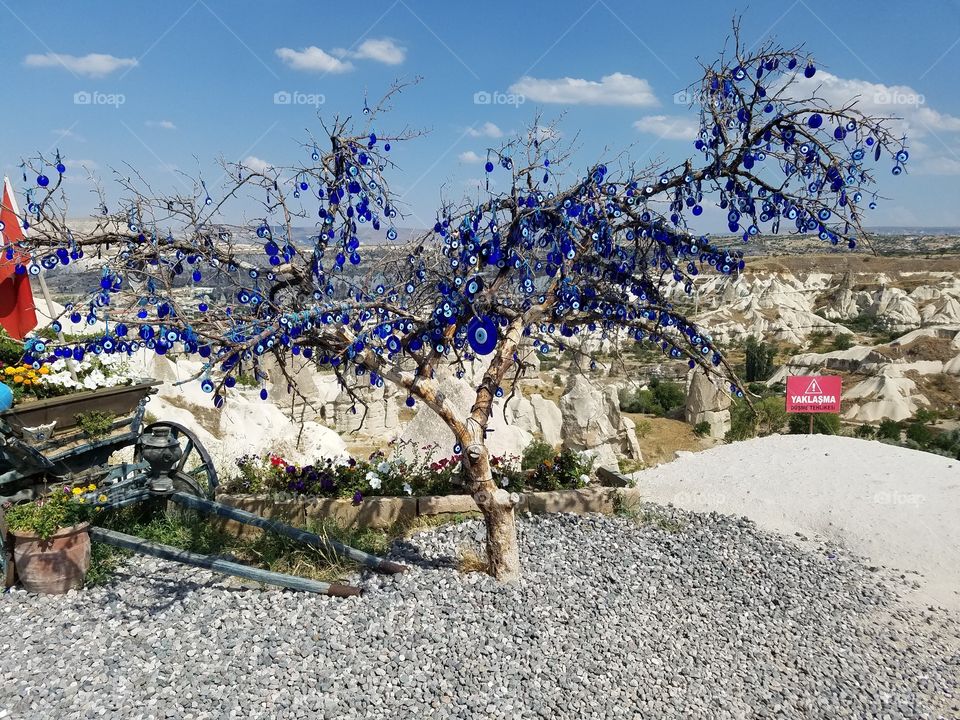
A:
696	210
197	276
56	326
61	168
902	156
393	344
263	394
120	330
229	381
202	307
263	231
482	335
488	167
218	401
43	180
498	392
410	402
207	385
809	71
386	147
815	120
304	185
897	169
457	449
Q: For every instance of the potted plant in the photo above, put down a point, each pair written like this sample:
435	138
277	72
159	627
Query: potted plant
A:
51	548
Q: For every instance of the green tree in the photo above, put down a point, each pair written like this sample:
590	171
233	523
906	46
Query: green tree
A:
759	365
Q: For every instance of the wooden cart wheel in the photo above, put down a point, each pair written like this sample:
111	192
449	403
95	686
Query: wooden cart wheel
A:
194	473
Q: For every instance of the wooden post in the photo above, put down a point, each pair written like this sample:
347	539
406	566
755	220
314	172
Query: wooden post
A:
811	423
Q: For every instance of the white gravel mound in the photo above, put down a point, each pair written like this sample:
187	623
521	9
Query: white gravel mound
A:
899	508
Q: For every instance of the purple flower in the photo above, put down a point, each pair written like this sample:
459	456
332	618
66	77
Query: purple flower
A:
357	498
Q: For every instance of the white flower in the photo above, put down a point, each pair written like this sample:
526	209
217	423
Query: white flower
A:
374	480
505	482
383	468
407	489
585	479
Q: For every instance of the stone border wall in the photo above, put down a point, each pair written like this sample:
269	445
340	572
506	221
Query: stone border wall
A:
385	512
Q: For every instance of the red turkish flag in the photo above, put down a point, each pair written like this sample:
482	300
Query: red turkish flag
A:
17	310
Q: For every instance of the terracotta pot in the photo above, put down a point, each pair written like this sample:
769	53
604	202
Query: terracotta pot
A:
54	565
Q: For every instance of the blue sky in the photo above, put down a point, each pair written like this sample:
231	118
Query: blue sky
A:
174	85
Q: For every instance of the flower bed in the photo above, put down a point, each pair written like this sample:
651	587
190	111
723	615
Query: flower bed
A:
381	493
411	470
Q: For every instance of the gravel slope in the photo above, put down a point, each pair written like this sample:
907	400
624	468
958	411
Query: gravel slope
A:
675	616
900	508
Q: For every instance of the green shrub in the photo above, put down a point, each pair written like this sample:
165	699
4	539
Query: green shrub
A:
823	424
842	342
919	433
536	453
659	398
889	430
867	432
701	429
11	351
769	417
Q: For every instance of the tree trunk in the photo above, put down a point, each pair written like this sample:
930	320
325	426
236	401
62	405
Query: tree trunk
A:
496	504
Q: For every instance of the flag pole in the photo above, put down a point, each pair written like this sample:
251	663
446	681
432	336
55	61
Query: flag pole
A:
45	291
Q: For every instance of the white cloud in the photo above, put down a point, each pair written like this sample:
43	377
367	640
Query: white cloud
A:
914	116
256	164
92	65
488	129
675	127
941	165
469	157
382	50
162	124
313	59
615	89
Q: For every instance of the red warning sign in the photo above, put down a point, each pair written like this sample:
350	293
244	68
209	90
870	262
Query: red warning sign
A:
814	393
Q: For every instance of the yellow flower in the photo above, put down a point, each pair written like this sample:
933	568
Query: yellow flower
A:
9	370
27	382
91	487
77	491
102	498
44	370
81	500
18	378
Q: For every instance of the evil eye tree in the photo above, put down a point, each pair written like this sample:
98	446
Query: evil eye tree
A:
549	257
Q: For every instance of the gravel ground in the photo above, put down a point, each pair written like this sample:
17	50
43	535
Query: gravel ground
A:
676	615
